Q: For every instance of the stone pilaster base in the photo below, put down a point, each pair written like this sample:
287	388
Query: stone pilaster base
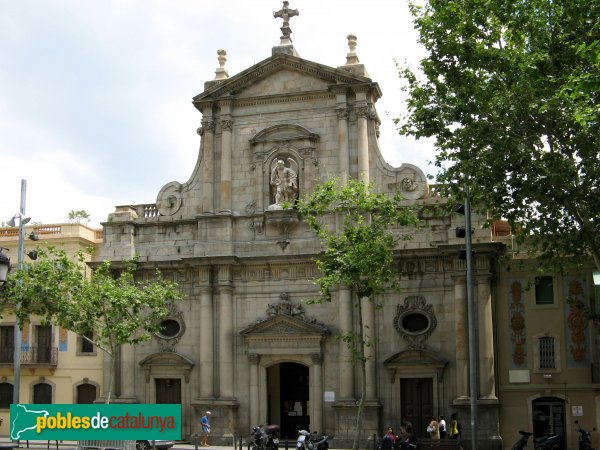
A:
223	420
346	413
488	423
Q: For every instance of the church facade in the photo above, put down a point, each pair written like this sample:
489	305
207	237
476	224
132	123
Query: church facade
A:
244	344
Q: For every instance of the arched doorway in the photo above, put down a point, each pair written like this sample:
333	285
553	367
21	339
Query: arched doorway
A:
548	417
288	397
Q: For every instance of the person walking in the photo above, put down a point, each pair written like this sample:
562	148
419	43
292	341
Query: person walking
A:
442	427
433	428
454	432
205	423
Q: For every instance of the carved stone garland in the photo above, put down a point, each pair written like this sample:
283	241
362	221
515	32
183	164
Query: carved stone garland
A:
167	344
416	305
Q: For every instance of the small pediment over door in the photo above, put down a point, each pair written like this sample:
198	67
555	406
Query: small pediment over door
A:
284	333
166	363
416	361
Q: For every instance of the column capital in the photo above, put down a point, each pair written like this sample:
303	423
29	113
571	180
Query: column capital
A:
208	125
226	124
483	279
342	112
317	358
253	358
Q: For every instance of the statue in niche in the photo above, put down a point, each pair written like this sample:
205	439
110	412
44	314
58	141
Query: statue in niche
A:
284	181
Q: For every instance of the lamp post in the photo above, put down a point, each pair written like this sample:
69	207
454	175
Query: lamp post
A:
21	253
473	369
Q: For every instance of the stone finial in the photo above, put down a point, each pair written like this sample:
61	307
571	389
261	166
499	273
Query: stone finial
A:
351	57
221	72
286	13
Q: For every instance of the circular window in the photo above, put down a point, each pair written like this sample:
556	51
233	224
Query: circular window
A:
415	323
170	328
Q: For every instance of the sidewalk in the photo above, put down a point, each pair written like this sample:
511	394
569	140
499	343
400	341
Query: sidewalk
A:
72	445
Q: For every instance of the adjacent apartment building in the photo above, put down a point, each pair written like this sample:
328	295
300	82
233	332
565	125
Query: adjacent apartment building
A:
57	366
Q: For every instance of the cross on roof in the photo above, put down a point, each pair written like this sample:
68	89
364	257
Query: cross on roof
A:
286	13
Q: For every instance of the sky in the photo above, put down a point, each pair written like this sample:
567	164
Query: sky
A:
95	96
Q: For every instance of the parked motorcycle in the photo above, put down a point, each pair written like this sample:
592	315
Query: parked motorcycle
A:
306	441
522	442
552	442
264	437
585	438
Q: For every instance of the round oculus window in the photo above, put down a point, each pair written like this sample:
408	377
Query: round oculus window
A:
415	323
170	328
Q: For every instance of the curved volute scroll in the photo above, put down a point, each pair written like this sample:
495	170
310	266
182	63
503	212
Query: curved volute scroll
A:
411	181
169	199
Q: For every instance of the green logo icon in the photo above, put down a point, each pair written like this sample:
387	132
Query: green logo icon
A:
96	421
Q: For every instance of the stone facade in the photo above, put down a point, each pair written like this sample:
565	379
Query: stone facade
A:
245	262
244	343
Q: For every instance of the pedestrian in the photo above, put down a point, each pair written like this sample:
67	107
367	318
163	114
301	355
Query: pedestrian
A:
389	439
433	428
407	424
454	432
205	423
442	427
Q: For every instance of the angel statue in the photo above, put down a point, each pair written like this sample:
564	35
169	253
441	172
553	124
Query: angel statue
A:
285	183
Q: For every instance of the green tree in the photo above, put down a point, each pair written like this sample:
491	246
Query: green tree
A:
509	90
109	304
78	216
358	253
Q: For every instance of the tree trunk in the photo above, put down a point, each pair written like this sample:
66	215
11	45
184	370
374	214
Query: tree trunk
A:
111	375
363	382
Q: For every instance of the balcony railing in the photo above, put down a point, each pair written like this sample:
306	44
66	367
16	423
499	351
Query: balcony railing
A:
31	355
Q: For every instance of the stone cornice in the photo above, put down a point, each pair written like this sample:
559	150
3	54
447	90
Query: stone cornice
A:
262	69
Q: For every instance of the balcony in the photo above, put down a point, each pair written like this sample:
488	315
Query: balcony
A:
31	356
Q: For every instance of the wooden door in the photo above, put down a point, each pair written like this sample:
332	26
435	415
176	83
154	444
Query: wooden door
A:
44	343
7	343
168	390
416	400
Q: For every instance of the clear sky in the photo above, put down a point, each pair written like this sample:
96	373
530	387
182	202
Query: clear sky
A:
95	96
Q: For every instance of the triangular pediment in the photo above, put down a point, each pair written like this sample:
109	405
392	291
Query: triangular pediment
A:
167	359
273	75
284	325
415	358
285	334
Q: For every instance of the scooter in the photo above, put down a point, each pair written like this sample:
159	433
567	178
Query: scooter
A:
552	442
522	442
306	441
264	438
585	438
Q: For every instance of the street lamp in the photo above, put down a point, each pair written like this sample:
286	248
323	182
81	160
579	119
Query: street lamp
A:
465	233
21	253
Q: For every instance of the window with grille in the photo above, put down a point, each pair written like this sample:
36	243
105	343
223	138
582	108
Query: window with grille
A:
544	291
546	353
